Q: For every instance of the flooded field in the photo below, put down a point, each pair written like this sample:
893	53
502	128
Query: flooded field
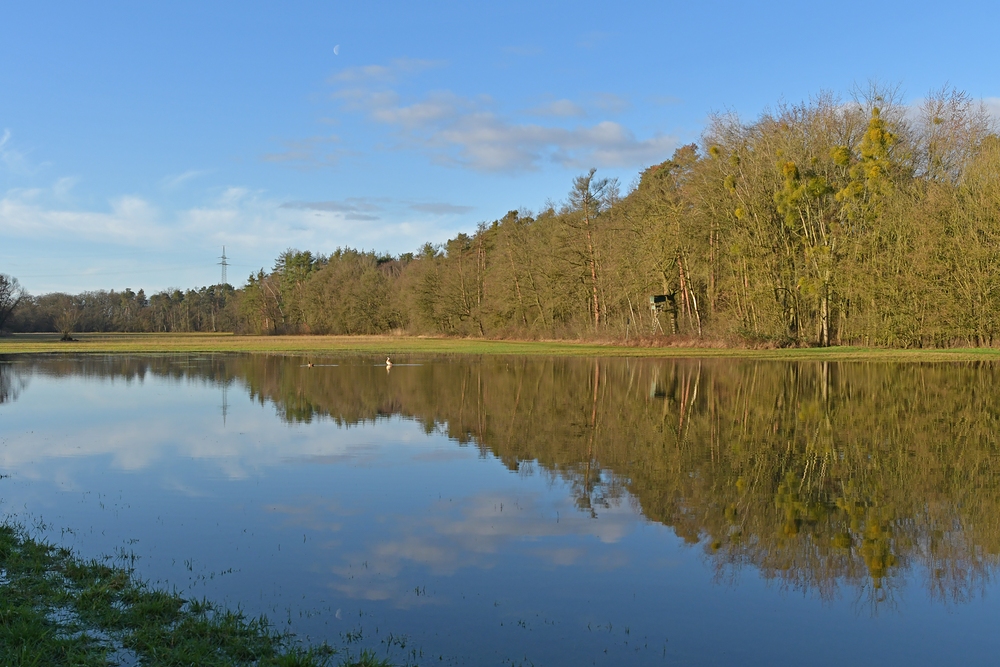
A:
509	511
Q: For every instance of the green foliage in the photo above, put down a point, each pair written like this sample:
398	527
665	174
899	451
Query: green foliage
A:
367	658
350	295
59	610
211	308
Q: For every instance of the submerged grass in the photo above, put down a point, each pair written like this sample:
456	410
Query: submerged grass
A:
379	345
56	609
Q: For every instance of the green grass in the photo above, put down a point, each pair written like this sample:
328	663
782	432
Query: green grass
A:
56	609
379	345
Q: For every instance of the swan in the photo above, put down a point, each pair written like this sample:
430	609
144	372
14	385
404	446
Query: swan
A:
388	364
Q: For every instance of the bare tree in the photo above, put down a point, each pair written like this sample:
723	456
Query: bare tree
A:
586	202
11	295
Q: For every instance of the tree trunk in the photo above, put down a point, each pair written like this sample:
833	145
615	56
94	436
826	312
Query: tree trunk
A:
824	317
593	277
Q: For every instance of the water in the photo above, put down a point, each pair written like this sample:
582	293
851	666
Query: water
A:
492	511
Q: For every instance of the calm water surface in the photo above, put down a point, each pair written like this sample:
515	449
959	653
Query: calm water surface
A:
498	511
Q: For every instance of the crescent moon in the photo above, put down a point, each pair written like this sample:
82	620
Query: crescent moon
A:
336	50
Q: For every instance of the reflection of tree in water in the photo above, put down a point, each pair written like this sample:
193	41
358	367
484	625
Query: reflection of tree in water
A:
819	475
12	382
822	476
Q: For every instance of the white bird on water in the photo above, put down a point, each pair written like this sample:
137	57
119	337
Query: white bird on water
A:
388	364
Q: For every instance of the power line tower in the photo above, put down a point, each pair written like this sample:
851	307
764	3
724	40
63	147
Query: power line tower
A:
224	264
225	399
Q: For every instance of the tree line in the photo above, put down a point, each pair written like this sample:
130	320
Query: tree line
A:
207	309
826	222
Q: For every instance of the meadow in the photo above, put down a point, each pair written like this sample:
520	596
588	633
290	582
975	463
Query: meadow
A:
156	343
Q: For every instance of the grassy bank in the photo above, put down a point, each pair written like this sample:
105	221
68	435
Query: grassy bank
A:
56	609
379	345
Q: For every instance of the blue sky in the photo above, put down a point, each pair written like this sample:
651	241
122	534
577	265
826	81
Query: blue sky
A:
136	139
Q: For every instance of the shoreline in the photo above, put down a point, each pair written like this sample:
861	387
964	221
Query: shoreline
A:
59	608
171	343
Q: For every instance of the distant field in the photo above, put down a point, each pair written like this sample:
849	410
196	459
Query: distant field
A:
397	345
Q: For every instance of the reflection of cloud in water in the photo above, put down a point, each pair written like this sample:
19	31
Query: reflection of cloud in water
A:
148	442
475	532
124	444
399	546
183	488
560	556
379	591
494	518
133	446
449	454
357	454
313	515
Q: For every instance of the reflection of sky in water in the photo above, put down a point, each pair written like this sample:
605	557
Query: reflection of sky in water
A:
382	528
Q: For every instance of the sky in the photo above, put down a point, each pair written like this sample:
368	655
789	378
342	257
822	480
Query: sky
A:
139	139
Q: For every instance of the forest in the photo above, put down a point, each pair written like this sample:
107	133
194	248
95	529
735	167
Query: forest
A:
830	222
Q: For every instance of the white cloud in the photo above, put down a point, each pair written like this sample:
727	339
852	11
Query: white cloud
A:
246	221
467	132
364	209
250	219
175	181
437	108
992	105
14	160
611	103
490	143
308	153
390	72
663	100
62	187
351	208
131	220
559	108
441	208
